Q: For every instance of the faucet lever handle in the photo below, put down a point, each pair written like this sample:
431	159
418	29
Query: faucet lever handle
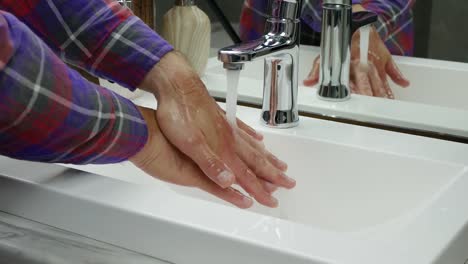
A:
361	19
285	9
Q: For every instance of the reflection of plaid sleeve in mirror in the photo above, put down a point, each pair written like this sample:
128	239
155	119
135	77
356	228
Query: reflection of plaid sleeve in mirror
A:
395	24
253	17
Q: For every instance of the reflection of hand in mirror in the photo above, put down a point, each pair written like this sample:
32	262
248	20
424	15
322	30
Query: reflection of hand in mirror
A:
372	79
395	23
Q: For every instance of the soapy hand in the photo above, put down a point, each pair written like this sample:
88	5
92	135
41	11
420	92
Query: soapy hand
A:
195	125
371	79
163	161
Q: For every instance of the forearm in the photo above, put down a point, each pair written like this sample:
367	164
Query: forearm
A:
99	36
49	113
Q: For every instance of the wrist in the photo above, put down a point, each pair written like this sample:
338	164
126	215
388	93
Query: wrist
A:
150	119
167	73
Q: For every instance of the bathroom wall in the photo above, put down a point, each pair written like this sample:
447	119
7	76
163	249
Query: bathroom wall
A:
449	30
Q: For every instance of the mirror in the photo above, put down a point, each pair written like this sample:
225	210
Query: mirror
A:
435	104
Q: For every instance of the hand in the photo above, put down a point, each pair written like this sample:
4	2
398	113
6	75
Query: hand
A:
194	124
371	80
163	161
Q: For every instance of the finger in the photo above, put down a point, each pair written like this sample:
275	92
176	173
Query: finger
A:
213	167
247	179
199	180
248	129
229	195
388	90
251	184
395	74
268	186
258	162
259	146
281	165
314	75
377	85
361	79
352	85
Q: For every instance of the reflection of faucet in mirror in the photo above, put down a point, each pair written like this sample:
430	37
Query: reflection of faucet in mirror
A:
391	34
280	49
338	24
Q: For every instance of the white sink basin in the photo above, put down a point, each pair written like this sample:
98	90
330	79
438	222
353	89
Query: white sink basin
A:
435	101
347	189
363	196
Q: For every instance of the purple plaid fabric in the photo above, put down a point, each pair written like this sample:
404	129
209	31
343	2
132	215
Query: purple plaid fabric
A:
395	24
48	112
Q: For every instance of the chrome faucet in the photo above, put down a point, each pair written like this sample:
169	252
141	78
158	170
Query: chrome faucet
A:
338	24
126	3
279	48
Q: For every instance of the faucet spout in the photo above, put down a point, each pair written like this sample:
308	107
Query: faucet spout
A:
279	48
233	66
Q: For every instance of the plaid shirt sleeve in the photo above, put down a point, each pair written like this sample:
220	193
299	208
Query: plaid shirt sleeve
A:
395	24
99	36
49	113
